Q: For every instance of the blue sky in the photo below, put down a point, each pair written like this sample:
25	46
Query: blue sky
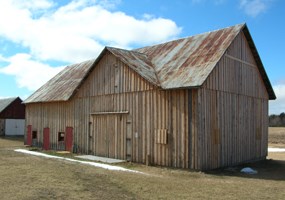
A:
39	37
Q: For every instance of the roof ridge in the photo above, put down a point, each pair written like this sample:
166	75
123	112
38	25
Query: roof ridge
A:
188	37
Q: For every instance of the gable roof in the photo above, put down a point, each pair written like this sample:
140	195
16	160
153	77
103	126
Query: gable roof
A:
4	103
182	63
187	62
139	62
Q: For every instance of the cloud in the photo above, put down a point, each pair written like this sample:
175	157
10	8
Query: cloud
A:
254	8
29	73
278	106
71	33
3	59
78	30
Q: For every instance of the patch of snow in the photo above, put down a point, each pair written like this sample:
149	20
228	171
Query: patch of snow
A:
248	170
104	166
100	159
276	149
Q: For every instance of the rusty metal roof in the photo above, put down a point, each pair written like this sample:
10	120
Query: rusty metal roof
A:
63	85
138	62
188	62
182	63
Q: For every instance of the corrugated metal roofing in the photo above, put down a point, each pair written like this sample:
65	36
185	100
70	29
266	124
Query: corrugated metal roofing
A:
138	62
188	62
4	103
63	85
180	63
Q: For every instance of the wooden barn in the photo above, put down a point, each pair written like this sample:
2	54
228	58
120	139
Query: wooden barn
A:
12	117
199	102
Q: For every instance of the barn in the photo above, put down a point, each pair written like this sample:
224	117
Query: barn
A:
12	117
199	102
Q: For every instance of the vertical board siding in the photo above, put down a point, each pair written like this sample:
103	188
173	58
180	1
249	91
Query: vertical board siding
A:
56	116
232	111
112	76
148	111
117	113
113	87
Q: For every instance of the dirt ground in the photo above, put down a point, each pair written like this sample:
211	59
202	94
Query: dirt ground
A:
29	177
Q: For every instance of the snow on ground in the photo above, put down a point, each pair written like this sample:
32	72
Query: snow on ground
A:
276	149
101	165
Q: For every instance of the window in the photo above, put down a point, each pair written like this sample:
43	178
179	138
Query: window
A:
34	135
61	136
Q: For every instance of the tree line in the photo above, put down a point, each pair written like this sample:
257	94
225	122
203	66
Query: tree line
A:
277	120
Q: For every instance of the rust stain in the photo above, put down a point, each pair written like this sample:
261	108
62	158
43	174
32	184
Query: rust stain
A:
185	62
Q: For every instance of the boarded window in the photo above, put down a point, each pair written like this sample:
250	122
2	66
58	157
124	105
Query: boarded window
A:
34	135
161	136
61	136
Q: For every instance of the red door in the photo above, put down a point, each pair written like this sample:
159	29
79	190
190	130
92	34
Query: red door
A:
69	139
46	139
29	135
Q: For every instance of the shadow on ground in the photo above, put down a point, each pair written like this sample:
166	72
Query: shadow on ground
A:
266	169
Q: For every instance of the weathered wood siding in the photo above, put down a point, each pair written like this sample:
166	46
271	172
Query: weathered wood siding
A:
152	113
154	131
136	133
56	116
117	113
232	107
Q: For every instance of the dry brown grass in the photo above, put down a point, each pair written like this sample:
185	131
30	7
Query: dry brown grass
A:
276	137
30	177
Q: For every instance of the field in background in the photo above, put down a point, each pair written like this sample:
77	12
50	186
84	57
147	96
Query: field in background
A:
276	137
29	177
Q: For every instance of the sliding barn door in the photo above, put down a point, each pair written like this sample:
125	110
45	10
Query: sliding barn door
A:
109	136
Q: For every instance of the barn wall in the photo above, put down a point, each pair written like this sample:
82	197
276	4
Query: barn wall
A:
2	127
154	131
153	115
16	110
233	111
140	132
56	116
111	76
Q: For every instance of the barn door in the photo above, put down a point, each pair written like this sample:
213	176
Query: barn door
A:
69	139
109	136
29	135
46	139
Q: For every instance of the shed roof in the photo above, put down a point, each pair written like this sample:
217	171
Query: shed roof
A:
182	63
63	85
4	103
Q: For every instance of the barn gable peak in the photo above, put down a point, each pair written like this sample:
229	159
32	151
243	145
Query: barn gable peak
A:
182	63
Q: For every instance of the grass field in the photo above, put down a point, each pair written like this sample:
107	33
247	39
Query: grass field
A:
276	137
30	177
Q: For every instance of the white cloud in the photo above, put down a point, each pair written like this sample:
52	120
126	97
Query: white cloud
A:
29	73
34	5
254	7
79	30
71	33
3	59
278	106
